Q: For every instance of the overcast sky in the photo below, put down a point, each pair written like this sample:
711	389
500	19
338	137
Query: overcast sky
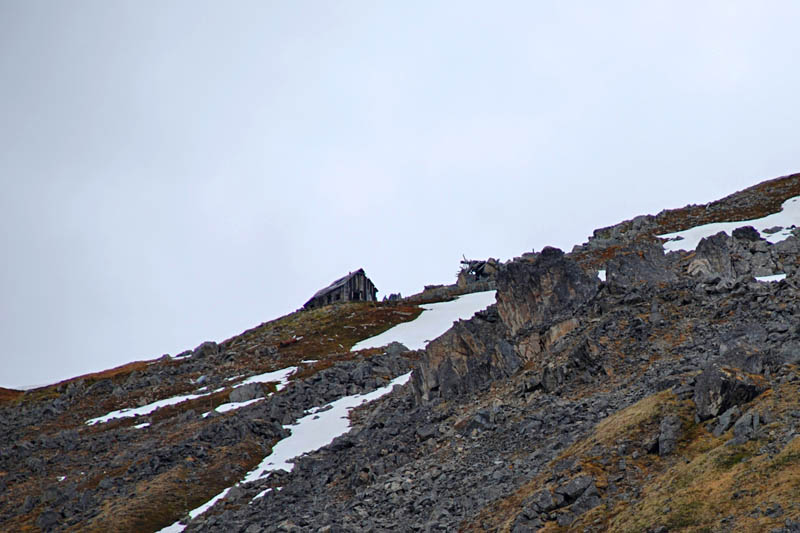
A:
174	172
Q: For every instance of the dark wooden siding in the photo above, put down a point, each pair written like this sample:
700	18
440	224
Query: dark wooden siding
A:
356	287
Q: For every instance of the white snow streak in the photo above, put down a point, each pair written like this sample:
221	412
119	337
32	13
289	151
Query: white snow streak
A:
434	320
280	376
316	430
143	410
774	277
232	406
309	433
261	494
788	217
601	274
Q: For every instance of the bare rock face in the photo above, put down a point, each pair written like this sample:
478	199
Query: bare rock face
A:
535	299
720	388
542	292
639	264
472	353
714	254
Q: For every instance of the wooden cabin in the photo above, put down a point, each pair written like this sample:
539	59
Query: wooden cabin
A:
354	287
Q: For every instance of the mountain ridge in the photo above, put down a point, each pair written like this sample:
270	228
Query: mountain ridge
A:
571	404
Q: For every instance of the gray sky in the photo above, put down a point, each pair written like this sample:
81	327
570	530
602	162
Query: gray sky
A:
174	172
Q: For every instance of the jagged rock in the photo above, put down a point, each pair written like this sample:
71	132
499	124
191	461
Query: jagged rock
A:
670	429
395	348
701	267
469	355
726	420
787	247
746	233
206	349
581	359
641	264
720	388
746	428
545	501
713	259
543	292
588	500
575	487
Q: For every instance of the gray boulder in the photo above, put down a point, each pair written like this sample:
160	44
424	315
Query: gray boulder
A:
206	349
251	391
544	501
669	433
726	420
575	487
719	388
747	233
746	428
395	348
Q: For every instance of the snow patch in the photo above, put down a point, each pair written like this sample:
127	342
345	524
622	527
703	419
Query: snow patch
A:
143	410
786	219
142	426
280	376
316	430
434	320
601	274
772	278
260	494
232	406
308	434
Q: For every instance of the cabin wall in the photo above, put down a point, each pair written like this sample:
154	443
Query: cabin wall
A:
358	288
361	289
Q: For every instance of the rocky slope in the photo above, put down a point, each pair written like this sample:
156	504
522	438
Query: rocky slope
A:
660	395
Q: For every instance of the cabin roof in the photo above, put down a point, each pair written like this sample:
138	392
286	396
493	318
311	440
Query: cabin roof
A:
337	284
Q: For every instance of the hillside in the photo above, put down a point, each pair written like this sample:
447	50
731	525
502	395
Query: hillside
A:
646	381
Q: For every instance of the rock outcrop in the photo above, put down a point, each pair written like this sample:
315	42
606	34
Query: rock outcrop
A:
470	355
720	388
540	293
